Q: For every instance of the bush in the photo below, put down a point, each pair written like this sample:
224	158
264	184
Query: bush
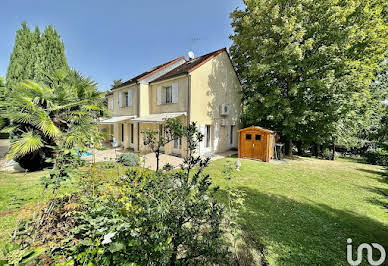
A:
128	159
108	165
378	156
328	154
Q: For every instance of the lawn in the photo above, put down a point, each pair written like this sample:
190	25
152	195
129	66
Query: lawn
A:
299	213
303	212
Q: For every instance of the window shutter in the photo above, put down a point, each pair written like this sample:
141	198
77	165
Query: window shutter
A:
175	92
112	106
159	96
120	99
130	97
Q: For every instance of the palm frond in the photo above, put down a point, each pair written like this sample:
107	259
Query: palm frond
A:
28	143
47	125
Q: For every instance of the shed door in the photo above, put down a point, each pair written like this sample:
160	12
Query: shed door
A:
259	146
247	144
253	145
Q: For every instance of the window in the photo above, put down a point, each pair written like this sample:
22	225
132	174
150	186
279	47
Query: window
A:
132	133
248	137
208	136
258	137
168	95
126	99
231	134
177	143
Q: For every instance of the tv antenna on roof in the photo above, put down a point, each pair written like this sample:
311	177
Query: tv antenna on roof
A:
193	40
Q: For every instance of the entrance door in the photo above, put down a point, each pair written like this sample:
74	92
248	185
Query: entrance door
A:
177	148
131	135
161	134
122	134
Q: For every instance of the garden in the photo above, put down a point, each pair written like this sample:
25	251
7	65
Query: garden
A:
294	213
314	72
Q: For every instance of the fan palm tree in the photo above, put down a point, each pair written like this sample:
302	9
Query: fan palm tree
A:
63	110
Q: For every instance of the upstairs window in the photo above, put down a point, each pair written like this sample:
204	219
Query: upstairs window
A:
126	104
168	95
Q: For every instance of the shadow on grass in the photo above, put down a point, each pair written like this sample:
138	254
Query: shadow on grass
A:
296	233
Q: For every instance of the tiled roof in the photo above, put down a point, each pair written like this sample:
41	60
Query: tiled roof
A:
189	65
147	73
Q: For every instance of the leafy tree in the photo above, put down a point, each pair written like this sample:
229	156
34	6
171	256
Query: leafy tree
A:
43	115
116	83
155	140
302	60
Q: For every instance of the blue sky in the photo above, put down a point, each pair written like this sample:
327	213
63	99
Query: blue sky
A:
108	40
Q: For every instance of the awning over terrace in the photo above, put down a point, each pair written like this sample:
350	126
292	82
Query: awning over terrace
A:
157	118
116	119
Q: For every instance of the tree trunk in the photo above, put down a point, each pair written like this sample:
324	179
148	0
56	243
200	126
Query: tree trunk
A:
289	147
157	153
318	150
299	146
333	147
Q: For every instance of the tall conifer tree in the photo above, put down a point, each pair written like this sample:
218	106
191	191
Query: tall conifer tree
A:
35	55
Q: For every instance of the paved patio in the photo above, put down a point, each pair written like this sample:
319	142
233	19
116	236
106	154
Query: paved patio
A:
110	154
148	160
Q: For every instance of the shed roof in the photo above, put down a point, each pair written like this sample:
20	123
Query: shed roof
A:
257	128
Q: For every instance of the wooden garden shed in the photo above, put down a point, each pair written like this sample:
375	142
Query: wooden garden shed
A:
256	143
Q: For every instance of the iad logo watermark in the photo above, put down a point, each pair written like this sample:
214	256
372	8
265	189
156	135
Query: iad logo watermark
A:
369	250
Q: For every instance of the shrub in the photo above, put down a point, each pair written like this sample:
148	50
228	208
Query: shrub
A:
128	159
378	156
168	167
328	154
108	165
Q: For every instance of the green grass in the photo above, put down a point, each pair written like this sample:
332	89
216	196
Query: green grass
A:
19	195
303	212
299	213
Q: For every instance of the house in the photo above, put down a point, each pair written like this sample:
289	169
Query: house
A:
205	90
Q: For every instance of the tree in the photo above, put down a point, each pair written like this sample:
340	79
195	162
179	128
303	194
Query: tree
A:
43	115
116	83
301	61
2	102
34	55
155	140
19	68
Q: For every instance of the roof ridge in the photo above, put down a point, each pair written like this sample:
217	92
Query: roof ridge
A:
150	72
185	68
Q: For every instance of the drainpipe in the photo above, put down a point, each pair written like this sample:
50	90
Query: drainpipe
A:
188	104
